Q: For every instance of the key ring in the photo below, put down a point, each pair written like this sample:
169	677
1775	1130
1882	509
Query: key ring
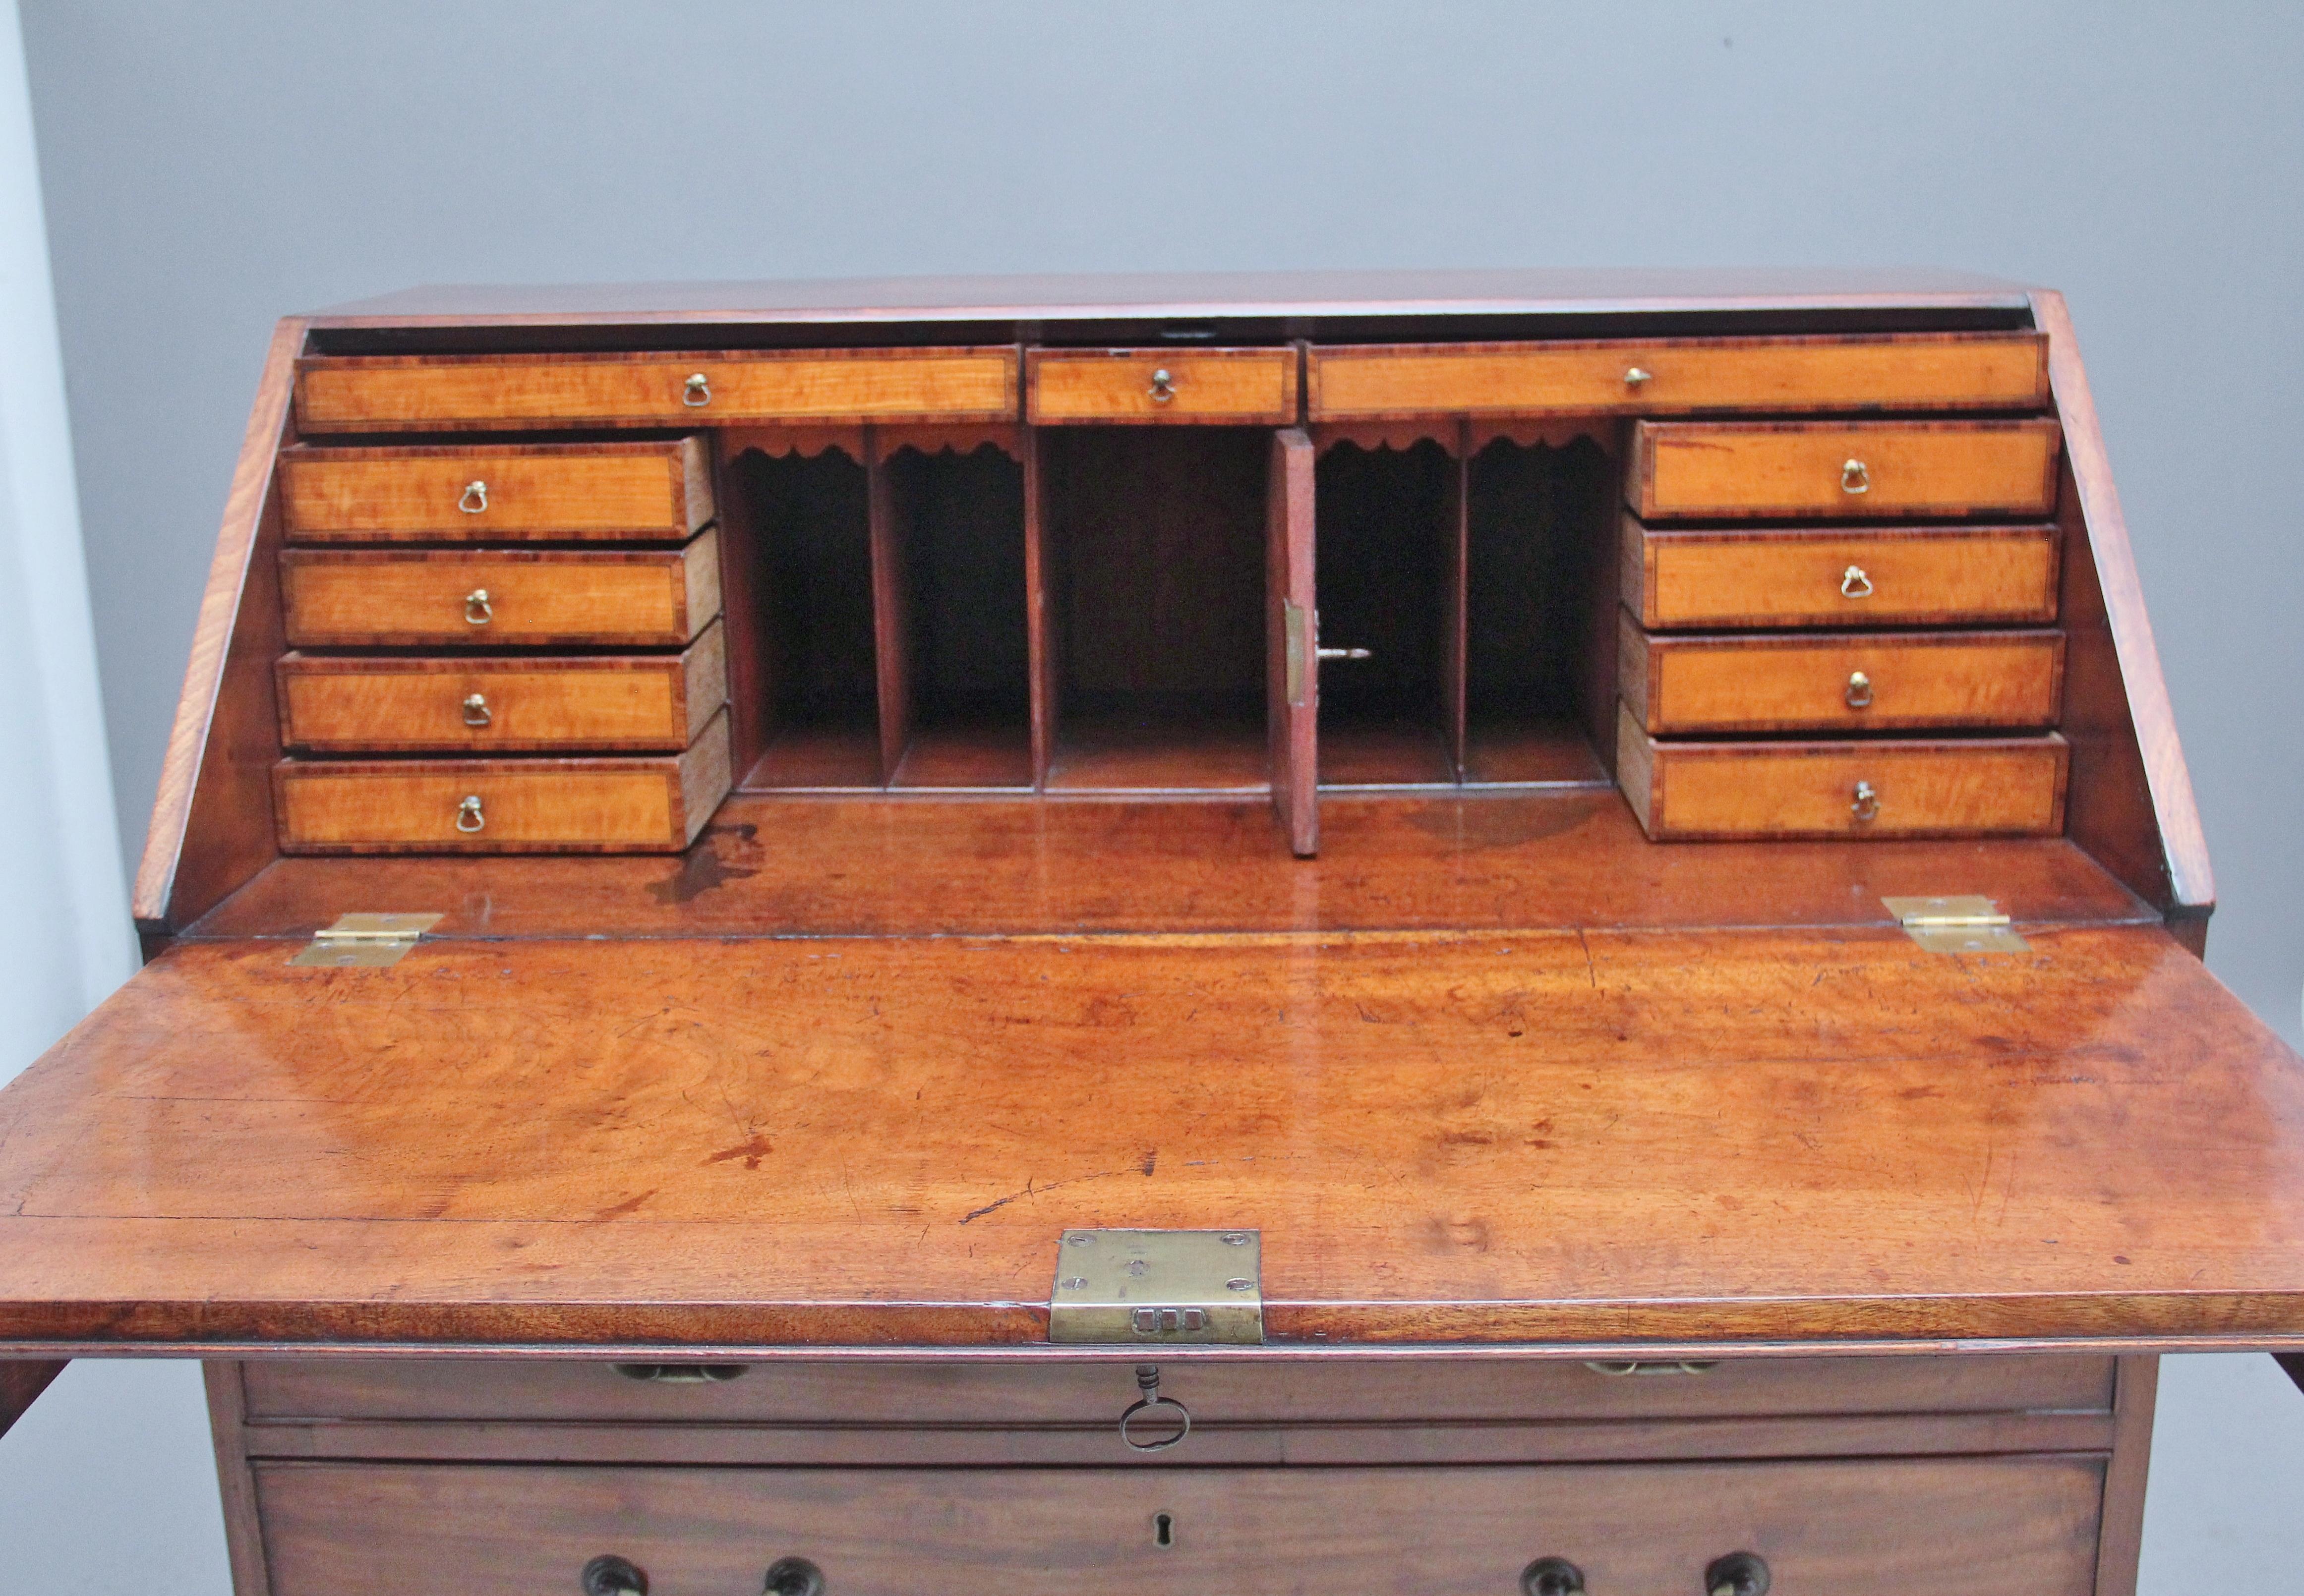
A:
1147	1381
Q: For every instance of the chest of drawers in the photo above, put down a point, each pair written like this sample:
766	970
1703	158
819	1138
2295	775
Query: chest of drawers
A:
1619	840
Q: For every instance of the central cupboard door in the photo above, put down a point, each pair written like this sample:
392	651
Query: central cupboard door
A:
2004	1526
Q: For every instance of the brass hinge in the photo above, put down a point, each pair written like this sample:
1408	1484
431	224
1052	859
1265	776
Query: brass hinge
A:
1135	1287
1965	925
365	942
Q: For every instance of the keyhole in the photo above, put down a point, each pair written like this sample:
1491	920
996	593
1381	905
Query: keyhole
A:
1163	1530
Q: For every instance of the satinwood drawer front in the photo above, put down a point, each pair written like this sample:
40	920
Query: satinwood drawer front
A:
1864	788
1903	576
626	492
428	393
503	806
1240	385
2018	1526
395	704
346	599
1219	1392
1841	681
1703	469
2005	371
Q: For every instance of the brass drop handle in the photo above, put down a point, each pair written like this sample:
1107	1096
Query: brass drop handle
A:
1854	583
478	610
1864	805
1858	692
1739	1574
1635	377
1147	1407
1164	386
468	818
475	498
793	1577
614	1577
1617	1368
683	1374
476	710
1552	1576
696	392
1855	478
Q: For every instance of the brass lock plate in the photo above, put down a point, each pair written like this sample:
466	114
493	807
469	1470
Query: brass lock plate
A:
1957	925
365	942
1158	1288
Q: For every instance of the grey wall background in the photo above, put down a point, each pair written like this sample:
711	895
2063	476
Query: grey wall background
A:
209	167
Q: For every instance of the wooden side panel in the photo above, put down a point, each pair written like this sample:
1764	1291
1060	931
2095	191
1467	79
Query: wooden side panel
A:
212	820
890	535
1842	576
244	1528
1240	386
2012	1526
1729	469
509	392
1455	597
631	492
2132	803
1292	648
499	597
1668	376
1042	643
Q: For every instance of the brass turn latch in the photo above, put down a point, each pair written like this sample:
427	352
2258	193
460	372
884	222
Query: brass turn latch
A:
365	942
1956	925
1134	1288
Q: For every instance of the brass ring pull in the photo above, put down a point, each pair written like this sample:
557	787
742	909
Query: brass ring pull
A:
1855	478
1147	1381
1618	1368
1162	388
1864	805
1854	583
614	1577
475	499
478	610
476	710
470	811
697	393
1634	378
793	1577
1739	1574
1552	1576
1859	690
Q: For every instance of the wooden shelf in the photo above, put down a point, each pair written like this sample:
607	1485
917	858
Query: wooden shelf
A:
817	759
1538	753
975	757
1161	752
1385	754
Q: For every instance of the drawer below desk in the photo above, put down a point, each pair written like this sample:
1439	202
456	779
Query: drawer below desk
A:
2025	1526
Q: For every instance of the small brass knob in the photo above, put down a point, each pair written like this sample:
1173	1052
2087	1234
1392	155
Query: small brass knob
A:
1854	583
478	610
1855	478
794	1576
1164	386
1865	803
1739	1574
614	1577
1634	378
1859	690
1552	1576
475	498
468	818
696	392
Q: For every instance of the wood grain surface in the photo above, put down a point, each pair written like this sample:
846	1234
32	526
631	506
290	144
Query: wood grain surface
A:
1539	1137
1791	468
337	598
1902	372
633	492
1232	385
1905	576
1295	716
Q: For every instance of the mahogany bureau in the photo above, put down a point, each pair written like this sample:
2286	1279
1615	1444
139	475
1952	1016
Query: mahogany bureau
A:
1447	933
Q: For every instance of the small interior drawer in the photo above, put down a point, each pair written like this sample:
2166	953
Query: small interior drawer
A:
470	599
1920	371
1978	787
503	806
1091	1393
1240	385
562	493
1841	577
1841	681
395	704
357	393
1805	469
2019	1526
